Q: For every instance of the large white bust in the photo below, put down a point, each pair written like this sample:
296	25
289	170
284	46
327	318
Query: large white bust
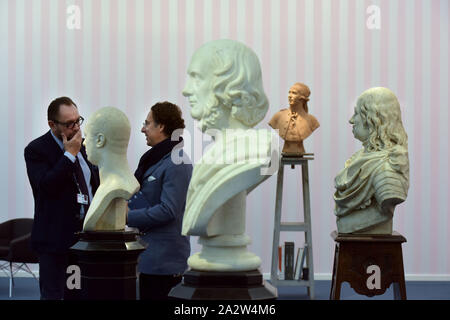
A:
107	135
226	94
376	178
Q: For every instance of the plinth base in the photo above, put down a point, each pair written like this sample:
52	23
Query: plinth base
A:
209	285
107	261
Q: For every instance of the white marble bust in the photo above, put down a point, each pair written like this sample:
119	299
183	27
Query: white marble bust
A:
376	178
107	135
226	94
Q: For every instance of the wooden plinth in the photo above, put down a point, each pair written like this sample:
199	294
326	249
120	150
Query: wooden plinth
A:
108	263
353	256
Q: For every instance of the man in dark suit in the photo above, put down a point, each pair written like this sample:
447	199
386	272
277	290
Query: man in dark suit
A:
63	184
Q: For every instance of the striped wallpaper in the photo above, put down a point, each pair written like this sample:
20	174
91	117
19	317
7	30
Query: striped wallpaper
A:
133	53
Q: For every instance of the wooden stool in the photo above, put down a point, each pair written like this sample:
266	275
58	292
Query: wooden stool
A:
356	259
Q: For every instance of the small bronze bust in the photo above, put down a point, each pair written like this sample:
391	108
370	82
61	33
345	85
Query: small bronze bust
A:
295	124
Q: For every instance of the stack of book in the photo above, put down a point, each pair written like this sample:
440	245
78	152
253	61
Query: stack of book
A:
288	270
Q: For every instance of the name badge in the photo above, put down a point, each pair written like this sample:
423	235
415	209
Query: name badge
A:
82	198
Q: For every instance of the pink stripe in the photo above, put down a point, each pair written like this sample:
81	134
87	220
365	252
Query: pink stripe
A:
11	190
45	53
164	50
78	53
94	73
334	76
250	22
283	55
448	145
130	105
61	58
368	36
199	23
435	51
352	95
300	39
266	44
111	95
316	101
148	55
28	101
400	214
216	16
233	20
183	56
385	34
416	170
265	60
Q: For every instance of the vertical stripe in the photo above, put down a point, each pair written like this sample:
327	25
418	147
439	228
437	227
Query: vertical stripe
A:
434	35
121	49
300	31
444	144
233	33
352	73
5	88
148	57
93	42
426	136
78	56
409	58
131	54
105	58
164	47
401	215
249	5
368	46
344	76
12	204
216	19
418	130
112	91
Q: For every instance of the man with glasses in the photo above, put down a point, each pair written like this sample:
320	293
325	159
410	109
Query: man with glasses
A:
63	184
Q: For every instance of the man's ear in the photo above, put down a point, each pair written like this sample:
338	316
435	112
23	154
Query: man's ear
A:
52	125
161	128
100	140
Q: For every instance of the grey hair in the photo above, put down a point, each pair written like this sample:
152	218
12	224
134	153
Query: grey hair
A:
380	110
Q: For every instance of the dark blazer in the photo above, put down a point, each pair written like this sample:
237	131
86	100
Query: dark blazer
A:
56	210
157	211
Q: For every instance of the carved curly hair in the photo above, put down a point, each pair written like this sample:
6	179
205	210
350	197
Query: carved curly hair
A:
380	110
238	81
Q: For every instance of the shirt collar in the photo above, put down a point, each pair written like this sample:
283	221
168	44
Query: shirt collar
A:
58	141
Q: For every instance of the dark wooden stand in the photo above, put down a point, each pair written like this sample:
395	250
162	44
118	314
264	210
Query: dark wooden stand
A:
108	263
208	285
354	253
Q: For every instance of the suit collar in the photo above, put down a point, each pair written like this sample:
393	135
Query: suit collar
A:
155	166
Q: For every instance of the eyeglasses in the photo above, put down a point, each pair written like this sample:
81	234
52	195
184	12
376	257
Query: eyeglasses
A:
71	125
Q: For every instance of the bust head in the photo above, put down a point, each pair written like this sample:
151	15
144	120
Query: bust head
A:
299	93
107	132
224	85
377	121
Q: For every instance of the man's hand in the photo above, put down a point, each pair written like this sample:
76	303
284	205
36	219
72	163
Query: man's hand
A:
73	145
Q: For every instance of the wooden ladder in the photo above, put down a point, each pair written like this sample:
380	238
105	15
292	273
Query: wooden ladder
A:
304	226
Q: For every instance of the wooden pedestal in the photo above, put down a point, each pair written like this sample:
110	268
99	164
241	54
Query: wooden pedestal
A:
356	259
